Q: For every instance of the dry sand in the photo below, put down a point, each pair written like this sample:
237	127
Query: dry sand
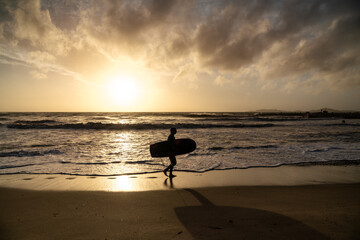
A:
326	211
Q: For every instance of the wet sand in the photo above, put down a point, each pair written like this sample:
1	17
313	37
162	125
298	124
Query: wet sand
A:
276	211
275	176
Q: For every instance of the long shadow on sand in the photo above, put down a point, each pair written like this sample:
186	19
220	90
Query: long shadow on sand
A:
222	222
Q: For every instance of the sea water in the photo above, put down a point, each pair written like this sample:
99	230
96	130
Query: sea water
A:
106	144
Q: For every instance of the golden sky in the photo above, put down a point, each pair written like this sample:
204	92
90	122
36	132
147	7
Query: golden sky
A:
185	55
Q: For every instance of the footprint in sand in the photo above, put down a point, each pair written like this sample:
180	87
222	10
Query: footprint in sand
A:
70	178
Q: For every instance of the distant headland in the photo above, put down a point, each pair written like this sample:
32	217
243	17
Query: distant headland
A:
321	113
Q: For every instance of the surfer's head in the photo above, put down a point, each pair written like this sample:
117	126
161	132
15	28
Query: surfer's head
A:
173	130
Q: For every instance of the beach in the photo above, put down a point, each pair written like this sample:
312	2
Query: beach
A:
198	119
252	176
153	207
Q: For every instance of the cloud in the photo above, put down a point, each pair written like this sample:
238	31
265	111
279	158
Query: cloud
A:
27	25
233	40
38	57
127	27
40	62
221	80
233	36
320	38
130	18
38	75
188	75
271	43
330	55
29	38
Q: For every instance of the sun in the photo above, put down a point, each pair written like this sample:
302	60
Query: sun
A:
122	90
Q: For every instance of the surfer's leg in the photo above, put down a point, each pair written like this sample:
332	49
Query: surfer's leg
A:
173	163
171	169
165	170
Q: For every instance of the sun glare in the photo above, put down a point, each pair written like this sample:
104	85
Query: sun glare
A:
122	90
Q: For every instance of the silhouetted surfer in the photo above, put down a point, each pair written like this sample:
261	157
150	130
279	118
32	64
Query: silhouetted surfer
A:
171	140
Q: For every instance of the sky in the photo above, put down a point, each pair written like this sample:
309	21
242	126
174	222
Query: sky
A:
178	56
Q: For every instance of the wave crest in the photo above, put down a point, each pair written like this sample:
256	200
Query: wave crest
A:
23	153
139	126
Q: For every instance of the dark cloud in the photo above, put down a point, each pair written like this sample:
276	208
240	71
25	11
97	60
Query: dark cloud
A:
130	19
289	22
334	50
212	35
331	55
318	38
180	46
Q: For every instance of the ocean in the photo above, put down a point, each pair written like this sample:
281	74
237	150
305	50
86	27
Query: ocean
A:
110	144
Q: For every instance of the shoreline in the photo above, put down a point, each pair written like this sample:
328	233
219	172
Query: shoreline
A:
285	175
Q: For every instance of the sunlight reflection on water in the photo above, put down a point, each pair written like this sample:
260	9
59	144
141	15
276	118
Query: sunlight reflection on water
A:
127	147
121	142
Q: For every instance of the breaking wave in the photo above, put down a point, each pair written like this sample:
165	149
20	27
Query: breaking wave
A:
35	122
23	153
242	147
16	166
144	162
89	163
139	126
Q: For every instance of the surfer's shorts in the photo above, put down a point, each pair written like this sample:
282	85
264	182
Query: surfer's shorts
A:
173	160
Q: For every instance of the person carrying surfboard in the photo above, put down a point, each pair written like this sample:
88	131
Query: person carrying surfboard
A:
171	140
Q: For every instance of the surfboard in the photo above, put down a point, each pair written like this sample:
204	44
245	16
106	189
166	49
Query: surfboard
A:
163	149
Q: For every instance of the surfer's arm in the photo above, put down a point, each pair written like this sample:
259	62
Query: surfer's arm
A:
171	140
